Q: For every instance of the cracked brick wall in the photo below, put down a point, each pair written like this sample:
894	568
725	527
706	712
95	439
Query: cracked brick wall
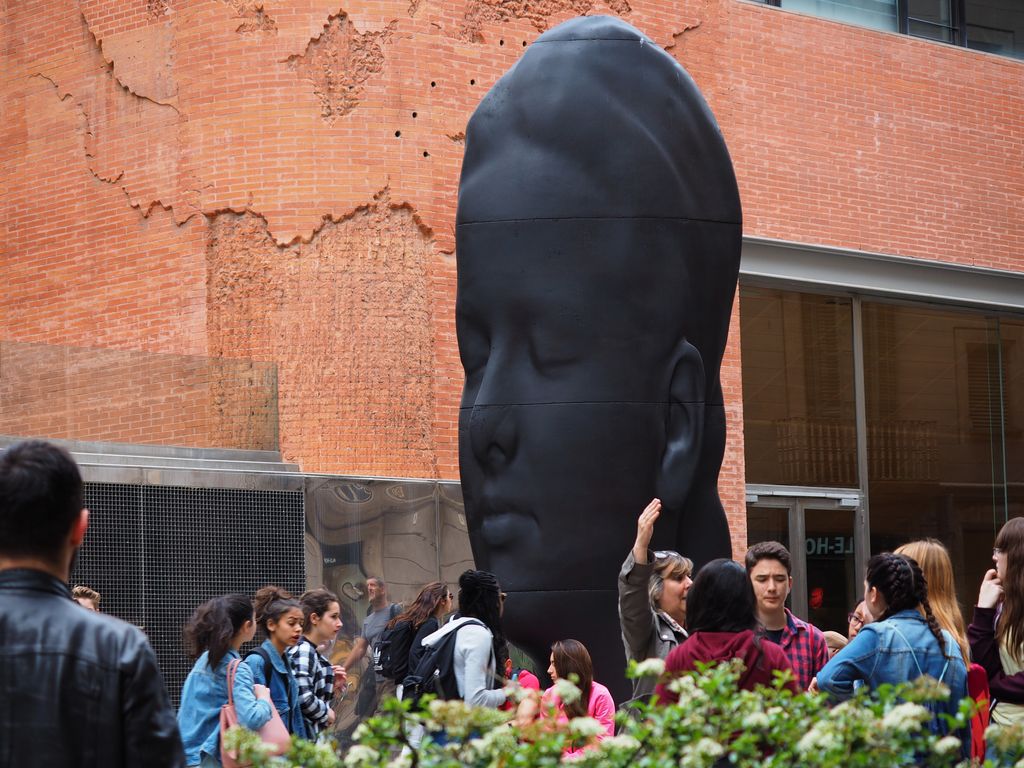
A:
276	180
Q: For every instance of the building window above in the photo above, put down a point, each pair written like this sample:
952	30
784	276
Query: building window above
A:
993	26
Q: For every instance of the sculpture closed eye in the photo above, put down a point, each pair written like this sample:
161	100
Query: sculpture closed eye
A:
598	239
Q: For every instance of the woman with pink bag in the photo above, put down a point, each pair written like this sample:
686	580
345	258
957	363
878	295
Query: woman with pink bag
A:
264	683
214	633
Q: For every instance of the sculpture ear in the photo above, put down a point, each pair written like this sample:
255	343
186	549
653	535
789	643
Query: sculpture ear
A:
684	427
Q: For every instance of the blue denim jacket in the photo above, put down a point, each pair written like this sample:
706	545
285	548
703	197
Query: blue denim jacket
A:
204	693
898	650
253	713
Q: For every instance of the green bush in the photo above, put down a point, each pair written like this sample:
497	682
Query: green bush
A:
713	725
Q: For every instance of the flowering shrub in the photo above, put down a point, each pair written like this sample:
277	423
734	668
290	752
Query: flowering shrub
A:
713	725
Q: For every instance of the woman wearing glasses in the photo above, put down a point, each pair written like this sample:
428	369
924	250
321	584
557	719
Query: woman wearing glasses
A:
996	633
856	619
652	598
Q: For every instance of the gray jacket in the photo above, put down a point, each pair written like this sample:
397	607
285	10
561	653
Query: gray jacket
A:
645	633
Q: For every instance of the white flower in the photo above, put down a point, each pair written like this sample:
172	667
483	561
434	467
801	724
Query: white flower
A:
755	721
905	717
650	668
708	748
685	684
586	727
566	691
623	741
360	754
820	737
947	745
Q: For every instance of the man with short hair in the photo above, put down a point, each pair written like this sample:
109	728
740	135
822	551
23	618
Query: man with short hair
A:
770	570
77	688
87	597
381	612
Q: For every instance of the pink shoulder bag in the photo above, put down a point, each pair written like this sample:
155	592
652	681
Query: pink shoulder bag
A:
273	732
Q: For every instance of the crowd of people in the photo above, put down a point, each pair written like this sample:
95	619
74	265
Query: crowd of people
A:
908	625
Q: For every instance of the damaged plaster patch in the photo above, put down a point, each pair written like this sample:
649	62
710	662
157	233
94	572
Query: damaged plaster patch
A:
107	176
537	12
157	9
356	376
140	61
255	20
339	63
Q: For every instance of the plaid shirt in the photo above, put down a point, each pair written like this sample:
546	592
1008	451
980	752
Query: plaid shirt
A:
805	648
315	677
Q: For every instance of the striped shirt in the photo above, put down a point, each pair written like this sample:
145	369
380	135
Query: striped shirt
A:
315	677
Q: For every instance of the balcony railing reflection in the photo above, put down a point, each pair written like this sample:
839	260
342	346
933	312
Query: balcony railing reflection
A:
824	452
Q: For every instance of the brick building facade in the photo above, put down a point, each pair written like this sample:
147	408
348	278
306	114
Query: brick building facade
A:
276	181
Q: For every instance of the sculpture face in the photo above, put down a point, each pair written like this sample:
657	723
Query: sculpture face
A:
563	425
598	244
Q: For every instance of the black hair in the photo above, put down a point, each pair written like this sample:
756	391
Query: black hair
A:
480	598
271	603
316	601
721	599
902	584
214	623
40	499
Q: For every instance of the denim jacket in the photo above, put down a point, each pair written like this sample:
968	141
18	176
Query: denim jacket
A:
898	650
253	713
205	692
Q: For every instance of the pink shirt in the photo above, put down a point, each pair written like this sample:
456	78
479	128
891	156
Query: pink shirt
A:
601	708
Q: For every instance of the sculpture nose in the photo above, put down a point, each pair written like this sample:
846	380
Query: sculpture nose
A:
493	435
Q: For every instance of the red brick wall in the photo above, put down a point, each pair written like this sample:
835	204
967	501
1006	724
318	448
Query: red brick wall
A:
277	180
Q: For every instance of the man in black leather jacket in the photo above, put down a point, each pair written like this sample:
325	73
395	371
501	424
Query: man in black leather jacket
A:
77	688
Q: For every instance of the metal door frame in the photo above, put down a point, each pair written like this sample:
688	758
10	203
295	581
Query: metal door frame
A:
797	500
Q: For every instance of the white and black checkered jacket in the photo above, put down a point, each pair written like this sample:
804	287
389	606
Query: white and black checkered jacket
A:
316	685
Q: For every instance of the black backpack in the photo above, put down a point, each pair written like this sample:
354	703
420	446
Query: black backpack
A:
391	651
435	672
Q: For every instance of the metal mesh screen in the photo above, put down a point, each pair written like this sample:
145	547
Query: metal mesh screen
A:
156	552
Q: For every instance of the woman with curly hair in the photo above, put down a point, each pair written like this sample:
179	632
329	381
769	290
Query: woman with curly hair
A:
903	642
265	679
213	635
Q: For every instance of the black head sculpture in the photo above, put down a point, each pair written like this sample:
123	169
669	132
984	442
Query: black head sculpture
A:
598	239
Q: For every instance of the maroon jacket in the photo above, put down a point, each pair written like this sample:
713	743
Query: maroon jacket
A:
707	647
981	634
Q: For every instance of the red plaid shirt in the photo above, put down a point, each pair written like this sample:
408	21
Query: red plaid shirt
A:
805	647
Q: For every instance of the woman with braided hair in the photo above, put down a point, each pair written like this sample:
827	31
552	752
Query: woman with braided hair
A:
902	643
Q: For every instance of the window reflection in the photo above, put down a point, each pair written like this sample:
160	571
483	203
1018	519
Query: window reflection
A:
798	394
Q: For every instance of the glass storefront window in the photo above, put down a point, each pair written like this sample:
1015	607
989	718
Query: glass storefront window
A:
934	382
798	393
944	432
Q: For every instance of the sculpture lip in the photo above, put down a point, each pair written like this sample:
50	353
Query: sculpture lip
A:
502	523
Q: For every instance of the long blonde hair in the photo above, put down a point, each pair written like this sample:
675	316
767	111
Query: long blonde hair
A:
933	557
